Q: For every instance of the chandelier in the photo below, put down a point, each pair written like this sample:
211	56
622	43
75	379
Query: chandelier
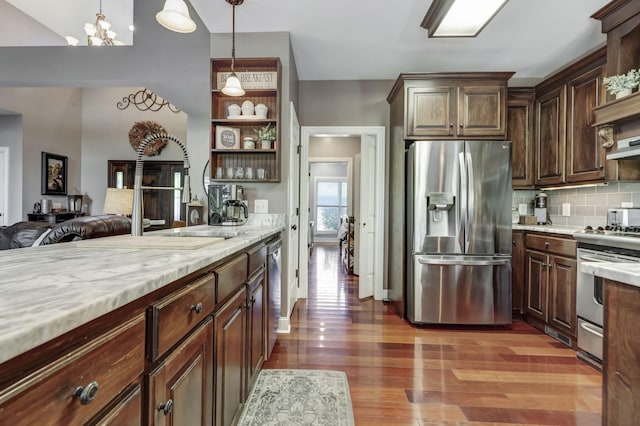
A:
99	33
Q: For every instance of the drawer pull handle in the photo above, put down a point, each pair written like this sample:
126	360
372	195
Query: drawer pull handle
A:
197	308
86	394
166	407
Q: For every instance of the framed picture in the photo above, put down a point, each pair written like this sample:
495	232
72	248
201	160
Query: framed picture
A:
54	174
195	214
227	137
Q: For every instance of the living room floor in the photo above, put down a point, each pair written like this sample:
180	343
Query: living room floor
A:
404	375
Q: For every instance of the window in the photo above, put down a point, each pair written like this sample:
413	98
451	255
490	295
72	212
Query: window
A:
331	204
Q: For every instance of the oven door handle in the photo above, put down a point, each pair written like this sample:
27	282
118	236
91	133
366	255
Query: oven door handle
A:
591	329
588	258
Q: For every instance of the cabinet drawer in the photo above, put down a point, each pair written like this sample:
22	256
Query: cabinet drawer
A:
104	367
563	246
174	316
257	257
230	276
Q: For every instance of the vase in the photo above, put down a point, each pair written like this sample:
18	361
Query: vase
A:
265	144
622	93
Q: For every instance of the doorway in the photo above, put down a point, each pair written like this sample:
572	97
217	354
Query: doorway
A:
373	147
4	185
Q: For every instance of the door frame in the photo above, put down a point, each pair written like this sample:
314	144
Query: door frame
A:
4	191
378	132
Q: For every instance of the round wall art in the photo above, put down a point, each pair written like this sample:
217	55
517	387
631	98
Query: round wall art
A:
142	129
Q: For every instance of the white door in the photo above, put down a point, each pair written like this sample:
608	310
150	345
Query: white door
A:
294	211
4	185
366	221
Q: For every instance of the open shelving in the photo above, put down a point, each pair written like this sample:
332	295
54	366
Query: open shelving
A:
253	73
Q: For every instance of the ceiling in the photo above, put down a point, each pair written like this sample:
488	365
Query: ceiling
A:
371	39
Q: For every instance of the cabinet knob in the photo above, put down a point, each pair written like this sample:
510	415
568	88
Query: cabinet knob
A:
166	407
544	265
87	393
197	308
601	167
450	124
550	265
513	242
546	244
461	125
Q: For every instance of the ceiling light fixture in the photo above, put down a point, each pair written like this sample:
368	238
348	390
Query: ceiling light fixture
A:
98	34
459	18
233	87
175	17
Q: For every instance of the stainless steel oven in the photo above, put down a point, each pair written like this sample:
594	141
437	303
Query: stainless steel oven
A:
590	298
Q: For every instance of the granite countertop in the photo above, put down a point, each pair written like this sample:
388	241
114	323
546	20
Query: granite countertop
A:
552	229
628	273
49	290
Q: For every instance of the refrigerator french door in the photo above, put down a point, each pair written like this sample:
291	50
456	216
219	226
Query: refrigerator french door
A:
459	232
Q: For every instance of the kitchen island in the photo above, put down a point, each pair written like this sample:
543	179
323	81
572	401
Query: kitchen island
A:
621	358
131	315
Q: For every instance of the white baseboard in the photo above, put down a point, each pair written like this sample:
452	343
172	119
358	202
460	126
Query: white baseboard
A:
284	326
385	294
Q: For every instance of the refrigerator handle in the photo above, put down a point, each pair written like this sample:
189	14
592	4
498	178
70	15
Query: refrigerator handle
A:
464	262
462	202
471	201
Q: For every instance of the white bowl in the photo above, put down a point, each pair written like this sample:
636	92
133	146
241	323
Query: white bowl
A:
234	109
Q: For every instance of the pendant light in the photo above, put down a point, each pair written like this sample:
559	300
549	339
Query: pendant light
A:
233	87
175	17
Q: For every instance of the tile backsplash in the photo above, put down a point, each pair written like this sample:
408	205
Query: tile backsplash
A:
589	204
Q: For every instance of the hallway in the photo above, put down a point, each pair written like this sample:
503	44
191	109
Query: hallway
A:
404	375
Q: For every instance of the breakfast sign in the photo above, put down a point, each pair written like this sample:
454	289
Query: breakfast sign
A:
251	80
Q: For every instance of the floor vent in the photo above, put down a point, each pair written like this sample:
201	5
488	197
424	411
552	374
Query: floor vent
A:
558	336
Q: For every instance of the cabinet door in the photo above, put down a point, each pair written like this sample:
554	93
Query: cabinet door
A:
256	328
585	155
481	111
550	137
181	387
621	381
520	132
537	285
230	364
562	297
517	272
430	111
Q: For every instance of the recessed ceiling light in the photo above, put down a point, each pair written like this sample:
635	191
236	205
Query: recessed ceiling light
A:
459	18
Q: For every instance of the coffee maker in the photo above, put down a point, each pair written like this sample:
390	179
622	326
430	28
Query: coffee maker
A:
223	201
540	209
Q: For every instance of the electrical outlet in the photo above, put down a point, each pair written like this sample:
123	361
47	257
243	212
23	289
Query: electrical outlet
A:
261	206
566	209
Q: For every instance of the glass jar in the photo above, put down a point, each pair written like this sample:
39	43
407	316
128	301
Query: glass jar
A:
515	215
249	143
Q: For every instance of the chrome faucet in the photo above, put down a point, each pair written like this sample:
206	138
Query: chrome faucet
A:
136	214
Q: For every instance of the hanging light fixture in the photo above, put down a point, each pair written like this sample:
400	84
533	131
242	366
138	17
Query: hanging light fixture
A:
175	17
233	87
98	34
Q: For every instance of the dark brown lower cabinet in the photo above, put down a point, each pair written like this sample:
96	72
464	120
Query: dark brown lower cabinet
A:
230	324
621	363
126	411
256	327
181	387
517	272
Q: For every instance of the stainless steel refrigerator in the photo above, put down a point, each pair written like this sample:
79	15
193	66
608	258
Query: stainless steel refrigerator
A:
459	232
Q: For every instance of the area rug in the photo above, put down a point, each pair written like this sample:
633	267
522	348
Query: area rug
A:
299	397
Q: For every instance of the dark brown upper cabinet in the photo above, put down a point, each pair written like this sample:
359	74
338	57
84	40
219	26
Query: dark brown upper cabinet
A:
567	147
520	125
452	105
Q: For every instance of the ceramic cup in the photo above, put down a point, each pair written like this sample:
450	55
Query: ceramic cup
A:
261	173
229	172
248	172
218	172
239	173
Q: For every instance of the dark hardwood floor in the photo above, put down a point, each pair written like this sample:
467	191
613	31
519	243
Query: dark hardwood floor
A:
404	375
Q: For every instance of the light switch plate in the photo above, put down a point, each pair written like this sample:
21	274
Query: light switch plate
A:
261	206
566	209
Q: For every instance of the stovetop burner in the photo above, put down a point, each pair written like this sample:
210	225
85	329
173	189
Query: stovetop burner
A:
625	231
